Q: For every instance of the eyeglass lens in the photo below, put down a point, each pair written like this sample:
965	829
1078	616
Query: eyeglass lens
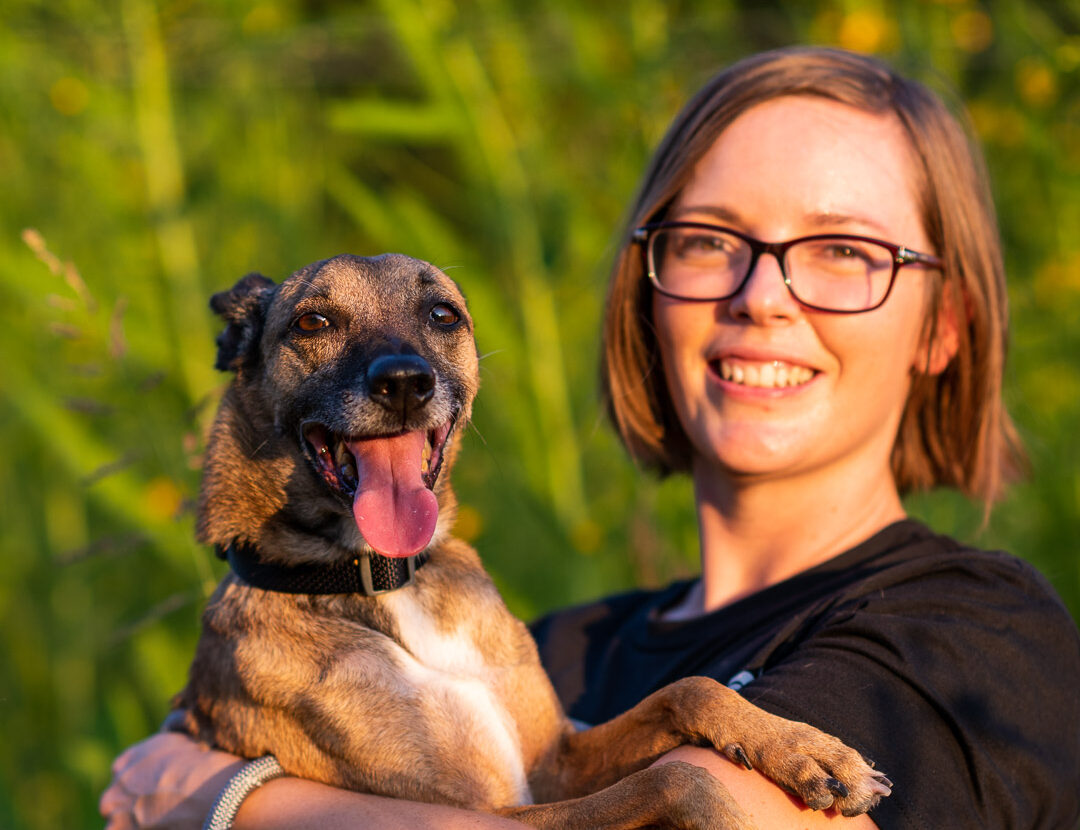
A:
837	273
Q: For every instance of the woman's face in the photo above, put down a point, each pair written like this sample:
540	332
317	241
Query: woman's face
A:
786	168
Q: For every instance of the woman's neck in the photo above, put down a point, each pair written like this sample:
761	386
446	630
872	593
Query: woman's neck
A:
757	532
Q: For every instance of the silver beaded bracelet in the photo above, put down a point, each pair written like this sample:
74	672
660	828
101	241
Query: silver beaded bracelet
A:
250	776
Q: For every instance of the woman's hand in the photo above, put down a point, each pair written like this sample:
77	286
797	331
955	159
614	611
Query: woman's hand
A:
166	782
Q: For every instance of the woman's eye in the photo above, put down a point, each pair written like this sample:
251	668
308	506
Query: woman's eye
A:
848	251
703	243
444	315
311	322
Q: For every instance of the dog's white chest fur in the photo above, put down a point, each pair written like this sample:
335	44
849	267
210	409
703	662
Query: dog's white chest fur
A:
454	677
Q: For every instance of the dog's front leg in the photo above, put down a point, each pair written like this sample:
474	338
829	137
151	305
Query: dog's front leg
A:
820	769
674	796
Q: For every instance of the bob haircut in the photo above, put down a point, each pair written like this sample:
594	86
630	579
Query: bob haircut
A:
954	430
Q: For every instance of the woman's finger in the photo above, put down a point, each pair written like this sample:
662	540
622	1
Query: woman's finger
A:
143	751
120	821
114	798
124	758
115	806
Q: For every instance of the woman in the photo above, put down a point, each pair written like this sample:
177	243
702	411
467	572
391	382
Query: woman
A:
805	382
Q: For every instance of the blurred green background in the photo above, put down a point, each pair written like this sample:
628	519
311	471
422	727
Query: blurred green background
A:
161	150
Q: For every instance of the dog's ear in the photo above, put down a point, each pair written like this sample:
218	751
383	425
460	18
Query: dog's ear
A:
244	308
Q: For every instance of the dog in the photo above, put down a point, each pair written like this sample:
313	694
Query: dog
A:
362	644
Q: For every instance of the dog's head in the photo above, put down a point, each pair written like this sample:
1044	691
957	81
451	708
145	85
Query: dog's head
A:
353	377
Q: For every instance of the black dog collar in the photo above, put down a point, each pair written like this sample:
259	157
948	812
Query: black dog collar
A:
367	574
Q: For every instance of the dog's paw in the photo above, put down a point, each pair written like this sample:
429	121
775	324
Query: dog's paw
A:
818	768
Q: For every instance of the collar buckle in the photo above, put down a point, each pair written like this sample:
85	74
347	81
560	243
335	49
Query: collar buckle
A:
389	574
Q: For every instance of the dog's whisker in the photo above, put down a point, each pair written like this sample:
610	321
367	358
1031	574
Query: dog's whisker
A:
489	354
255	451
597	425
479	434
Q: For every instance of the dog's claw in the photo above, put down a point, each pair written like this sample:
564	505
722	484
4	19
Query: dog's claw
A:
881	779
738	754
837	787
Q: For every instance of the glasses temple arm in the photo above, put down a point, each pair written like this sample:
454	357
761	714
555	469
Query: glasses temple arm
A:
905	256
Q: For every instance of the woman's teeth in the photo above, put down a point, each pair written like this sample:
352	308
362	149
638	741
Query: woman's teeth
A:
775	375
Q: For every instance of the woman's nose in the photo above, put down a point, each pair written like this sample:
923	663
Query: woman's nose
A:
764	296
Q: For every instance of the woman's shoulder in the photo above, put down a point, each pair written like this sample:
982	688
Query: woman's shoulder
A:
956	668
927	571
931	596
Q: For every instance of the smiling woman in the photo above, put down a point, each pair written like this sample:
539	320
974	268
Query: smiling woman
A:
812	261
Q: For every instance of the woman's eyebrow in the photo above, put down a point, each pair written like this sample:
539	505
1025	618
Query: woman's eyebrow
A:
721	214
827	218
817	219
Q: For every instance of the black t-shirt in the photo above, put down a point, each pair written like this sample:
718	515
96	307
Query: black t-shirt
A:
956	670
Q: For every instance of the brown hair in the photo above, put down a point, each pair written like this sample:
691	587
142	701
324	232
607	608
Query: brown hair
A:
954	430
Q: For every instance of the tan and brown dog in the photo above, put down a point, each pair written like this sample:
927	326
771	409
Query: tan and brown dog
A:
322	482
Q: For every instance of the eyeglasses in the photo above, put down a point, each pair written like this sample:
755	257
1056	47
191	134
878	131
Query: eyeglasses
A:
827	272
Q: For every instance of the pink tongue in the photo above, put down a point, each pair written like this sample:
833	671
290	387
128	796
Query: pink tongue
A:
395	512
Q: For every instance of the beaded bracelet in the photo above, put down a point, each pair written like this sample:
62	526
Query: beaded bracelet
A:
250	776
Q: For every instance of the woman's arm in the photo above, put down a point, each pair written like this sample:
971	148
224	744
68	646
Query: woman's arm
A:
298	804
169	782
769	806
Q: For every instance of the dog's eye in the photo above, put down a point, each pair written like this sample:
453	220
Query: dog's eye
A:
311	322
444	315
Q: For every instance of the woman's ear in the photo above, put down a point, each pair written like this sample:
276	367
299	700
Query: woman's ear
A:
941	339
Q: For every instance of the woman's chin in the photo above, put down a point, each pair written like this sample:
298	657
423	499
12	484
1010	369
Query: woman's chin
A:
756	445
758	458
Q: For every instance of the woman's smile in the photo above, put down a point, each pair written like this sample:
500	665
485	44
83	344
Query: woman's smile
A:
775	374
742	369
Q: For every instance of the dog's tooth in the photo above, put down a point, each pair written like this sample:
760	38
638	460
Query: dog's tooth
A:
344	457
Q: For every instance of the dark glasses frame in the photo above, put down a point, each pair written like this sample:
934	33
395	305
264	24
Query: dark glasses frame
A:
901	256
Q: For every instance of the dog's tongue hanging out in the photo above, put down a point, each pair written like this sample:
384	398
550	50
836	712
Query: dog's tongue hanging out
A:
395	511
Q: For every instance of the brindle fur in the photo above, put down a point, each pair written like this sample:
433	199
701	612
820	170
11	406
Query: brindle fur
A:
424	693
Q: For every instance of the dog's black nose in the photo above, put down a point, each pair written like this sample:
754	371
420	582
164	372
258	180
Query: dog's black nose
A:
402	383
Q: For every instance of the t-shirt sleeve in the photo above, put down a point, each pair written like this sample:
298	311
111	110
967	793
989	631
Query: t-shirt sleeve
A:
962	684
